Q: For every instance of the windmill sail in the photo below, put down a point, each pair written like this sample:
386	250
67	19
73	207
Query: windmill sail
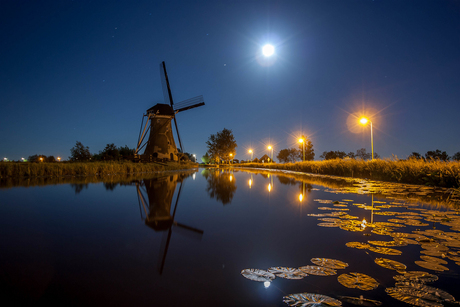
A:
160	144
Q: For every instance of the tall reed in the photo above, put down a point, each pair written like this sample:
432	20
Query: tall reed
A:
432	173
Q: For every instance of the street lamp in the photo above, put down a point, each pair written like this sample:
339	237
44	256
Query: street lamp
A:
41	159
271	148
231	155
303	148
250	151
364	121
59	159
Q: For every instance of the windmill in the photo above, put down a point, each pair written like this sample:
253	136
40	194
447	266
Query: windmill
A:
160	143
156	208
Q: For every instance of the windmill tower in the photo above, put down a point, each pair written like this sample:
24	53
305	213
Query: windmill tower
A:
160	144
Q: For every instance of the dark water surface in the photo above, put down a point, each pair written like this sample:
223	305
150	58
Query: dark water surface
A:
184	239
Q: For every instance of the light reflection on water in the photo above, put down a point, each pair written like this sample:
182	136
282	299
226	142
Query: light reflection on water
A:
182	239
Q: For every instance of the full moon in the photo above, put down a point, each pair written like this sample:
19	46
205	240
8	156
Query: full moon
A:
268	50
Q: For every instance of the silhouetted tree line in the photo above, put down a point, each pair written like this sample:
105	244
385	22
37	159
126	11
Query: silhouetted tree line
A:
296	154
41	158
435	155
81	153
360	154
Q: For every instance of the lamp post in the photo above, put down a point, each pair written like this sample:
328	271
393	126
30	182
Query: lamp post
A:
271	148
250	151
231	155
364	121
303	148
59	159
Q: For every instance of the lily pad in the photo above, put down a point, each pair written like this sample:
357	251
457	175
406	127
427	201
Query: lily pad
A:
329	263
317	270
433	259
390	264
385	250
416	276
419	294
358	245
310	299
288	273
258	275
431	266
358	280
388	243
360	301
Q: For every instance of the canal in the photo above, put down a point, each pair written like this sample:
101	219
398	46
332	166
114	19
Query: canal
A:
228	237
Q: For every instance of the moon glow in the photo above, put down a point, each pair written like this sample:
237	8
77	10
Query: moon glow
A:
268	50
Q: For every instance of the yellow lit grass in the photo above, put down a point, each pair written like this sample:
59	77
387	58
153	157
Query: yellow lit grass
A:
414	171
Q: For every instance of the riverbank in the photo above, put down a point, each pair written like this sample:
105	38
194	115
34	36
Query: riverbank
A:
62	169
433	173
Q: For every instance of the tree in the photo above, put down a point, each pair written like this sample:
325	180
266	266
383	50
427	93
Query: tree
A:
329	155
309	151
126	151
437	155
110	152
361	153
38	158
50	159
351	155
456	156
287	155
221	145
206	158
415	155
79	153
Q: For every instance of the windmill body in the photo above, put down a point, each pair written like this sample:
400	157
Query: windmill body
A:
160	144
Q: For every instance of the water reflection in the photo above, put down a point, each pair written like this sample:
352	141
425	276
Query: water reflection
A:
78	187
221	185
156	209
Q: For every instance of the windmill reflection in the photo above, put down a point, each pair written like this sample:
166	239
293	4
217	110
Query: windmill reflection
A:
156	210
221	185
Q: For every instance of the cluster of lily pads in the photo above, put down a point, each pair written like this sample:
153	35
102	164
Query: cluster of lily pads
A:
437	247
322	267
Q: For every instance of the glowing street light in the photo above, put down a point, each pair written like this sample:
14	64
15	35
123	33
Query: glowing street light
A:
303	148
41	159
268	50
364	121
271	148
231	155
59	159
250	151
22	159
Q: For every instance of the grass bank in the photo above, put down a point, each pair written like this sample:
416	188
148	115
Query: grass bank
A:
433	173
24	169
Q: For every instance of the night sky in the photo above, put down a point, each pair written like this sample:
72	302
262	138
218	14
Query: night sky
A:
87	70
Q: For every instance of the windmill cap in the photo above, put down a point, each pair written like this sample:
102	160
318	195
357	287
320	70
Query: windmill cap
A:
161	109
